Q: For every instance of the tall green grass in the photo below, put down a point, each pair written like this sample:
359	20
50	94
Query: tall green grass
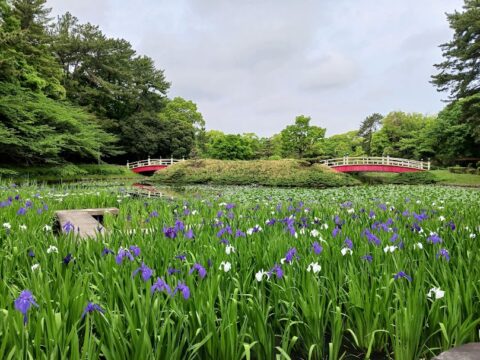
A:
352	308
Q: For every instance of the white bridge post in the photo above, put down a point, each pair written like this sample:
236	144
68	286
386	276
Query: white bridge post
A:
148	160
128	165
388	159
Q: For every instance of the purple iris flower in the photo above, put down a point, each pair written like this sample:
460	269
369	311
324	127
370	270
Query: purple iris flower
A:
209	263
240	233
200	269
336	231
372	238
22	211
135	250
277	270
231	215
348	243
434	239
291	253
224	242
443	253
24	302
317	248
67	259
154	213
107	251
68	226
229	206
145	271
122	254
452	225
17	197
371	214
394	238
402	274
179	225
90	308
28	203
31	253
172	271
159	286
382	206
170	232
189	234
367	257
39	211
183	289
186	212
219	214
271	222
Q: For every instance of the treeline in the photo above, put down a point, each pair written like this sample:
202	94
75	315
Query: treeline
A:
69	93
444	138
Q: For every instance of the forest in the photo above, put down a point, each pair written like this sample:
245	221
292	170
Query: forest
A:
71	94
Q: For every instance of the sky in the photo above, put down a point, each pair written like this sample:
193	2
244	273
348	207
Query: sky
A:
254	65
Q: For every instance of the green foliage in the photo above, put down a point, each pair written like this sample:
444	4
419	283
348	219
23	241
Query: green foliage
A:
340	145
286	173
38	129
302	139
459	72
452	137
367	128
404	135
414	178
65	172
230	147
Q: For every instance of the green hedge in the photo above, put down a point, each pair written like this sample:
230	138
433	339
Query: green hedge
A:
414	178
464	170
285	173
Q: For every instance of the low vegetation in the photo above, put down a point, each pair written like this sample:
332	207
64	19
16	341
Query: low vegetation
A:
287	173
65	172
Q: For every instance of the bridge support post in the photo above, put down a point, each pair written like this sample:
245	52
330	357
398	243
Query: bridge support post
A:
128	164
148	160
428	165
388	159
171	160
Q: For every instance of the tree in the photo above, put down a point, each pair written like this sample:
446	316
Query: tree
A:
343	144
302	139
459	73
179	110
228	146
367	128
403	135
453	139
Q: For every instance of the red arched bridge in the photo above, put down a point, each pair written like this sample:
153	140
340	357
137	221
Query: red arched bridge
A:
376	164
149	166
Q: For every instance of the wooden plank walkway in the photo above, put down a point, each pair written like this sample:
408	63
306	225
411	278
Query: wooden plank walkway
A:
84	222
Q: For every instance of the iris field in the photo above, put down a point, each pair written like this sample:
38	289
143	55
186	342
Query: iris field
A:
230	273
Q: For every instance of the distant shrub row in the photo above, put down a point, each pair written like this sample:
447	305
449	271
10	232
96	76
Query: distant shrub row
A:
414	178
67	171
464	170
286	173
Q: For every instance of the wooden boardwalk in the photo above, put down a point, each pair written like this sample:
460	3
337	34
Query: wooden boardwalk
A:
83	222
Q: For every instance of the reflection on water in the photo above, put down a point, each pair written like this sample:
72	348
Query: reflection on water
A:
149	190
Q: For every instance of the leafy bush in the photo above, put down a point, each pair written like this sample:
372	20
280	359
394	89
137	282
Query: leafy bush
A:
415	178
287	173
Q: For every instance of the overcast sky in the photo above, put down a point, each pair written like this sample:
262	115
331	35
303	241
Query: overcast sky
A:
253	65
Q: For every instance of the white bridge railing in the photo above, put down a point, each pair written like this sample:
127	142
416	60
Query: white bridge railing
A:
150	162
384	160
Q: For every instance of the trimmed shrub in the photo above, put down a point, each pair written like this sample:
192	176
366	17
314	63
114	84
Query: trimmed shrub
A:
415	178
286	173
